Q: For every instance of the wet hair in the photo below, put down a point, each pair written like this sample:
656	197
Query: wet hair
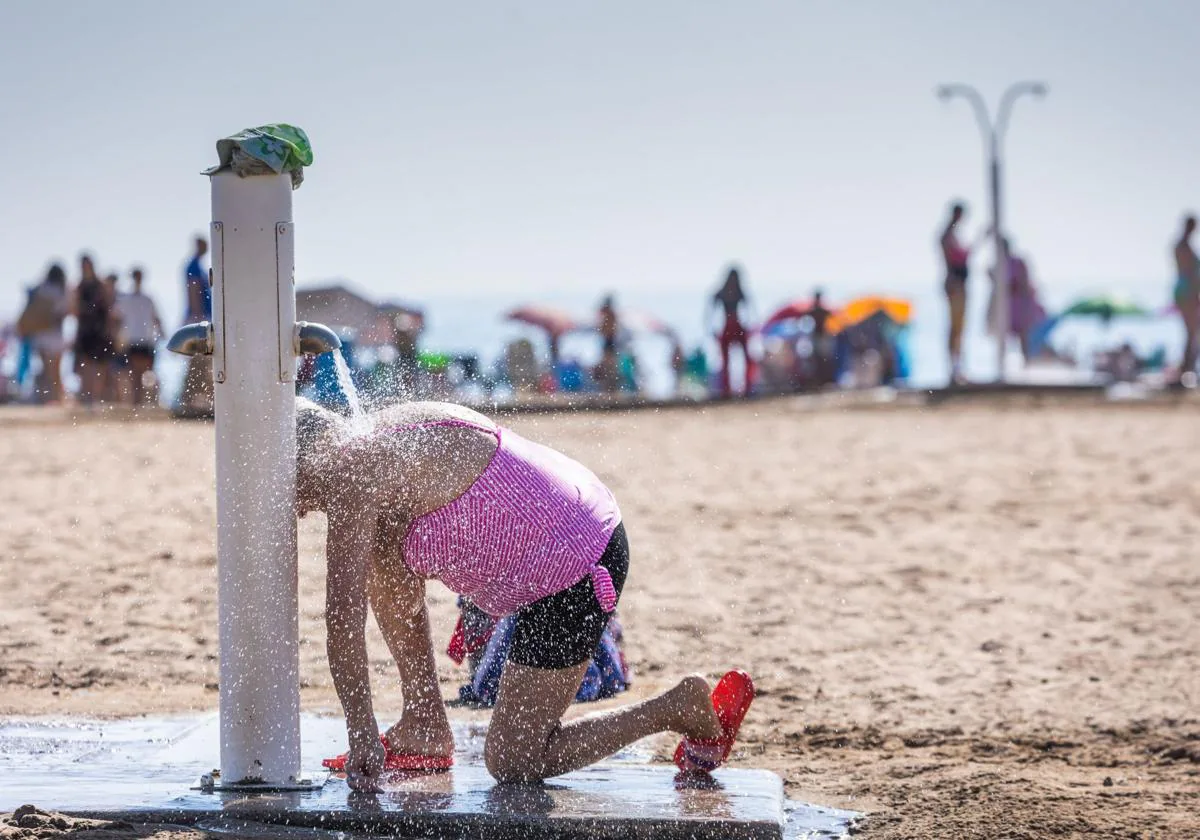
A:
317	428
957	208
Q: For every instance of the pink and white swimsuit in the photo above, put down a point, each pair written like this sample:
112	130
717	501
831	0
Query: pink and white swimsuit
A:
533	523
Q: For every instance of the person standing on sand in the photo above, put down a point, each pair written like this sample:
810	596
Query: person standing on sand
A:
141	329
197	290
1187	296
435	491
957	259
42	325
93	345
112	387
609	327
823	344
1025	311
197	394
730	298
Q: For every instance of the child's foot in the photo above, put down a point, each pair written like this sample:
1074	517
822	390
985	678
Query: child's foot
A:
420	737
730	701
697	718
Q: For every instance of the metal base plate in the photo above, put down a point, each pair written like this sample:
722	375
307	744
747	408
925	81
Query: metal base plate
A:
211	783
145	770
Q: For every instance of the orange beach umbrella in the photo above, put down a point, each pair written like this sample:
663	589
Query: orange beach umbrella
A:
860	309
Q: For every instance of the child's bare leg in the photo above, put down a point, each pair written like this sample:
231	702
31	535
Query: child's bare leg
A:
527	740
423	728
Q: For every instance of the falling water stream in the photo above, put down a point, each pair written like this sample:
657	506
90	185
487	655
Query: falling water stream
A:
359	423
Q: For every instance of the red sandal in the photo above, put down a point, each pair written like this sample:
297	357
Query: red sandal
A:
396	761
731	699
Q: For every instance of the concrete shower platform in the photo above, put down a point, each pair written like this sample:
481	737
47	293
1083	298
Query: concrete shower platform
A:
148	770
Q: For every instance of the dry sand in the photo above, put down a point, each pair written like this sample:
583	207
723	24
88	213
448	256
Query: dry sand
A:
965	621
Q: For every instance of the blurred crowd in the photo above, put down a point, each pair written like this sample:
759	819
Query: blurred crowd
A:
103	331
1019	315
112	348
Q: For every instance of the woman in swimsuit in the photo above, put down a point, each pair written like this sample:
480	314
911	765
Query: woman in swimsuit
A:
956	258
730	298
436	491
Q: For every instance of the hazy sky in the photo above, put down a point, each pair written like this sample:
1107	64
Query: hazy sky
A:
525	146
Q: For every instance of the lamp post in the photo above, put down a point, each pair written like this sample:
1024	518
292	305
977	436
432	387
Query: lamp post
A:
993	137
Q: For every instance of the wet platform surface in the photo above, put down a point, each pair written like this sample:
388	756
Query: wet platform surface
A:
148	770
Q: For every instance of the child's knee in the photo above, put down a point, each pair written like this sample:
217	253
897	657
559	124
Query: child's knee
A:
509	759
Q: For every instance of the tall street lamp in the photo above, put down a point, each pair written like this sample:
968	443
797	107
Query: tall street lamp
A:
993	136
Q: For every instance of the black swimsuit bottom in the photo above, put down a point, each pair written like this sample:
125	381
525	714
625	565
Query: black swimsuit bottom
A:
562	630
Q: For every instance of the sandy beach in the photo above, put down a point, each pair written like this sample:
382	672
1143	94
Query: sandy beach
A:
965	621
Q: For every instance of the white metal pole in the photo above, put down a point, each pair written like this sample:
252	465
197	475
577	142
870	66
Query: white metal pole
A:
254	314
1000	316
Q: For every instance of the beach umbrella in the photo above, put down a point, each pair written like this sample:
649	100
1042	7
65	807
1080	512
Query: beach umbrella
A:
790	311
1104	307
639	321
860	309
632	321
555	321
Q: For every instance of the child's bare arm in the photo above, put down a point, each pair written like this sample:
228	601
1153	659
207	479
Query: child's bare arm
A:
348	549
398	601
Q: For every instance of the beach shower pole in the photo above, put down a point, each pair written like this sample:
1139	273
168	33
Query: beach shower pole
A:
254	341
993	138
254	392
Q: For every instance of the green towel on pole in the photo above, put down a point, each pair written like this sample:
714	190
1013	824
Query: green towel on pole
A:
267	149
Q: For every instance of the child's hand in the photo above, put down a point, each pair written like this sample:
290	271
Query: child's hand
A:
364	764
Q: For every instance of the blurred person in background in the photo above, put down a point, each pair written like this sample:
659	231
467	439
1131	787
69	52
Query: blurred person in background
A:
730	299
608	373
678	363
1187	297
407	328
112	387
1025	311
197	289
93	345
41	324
197	392
823	342
141	330
957	258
